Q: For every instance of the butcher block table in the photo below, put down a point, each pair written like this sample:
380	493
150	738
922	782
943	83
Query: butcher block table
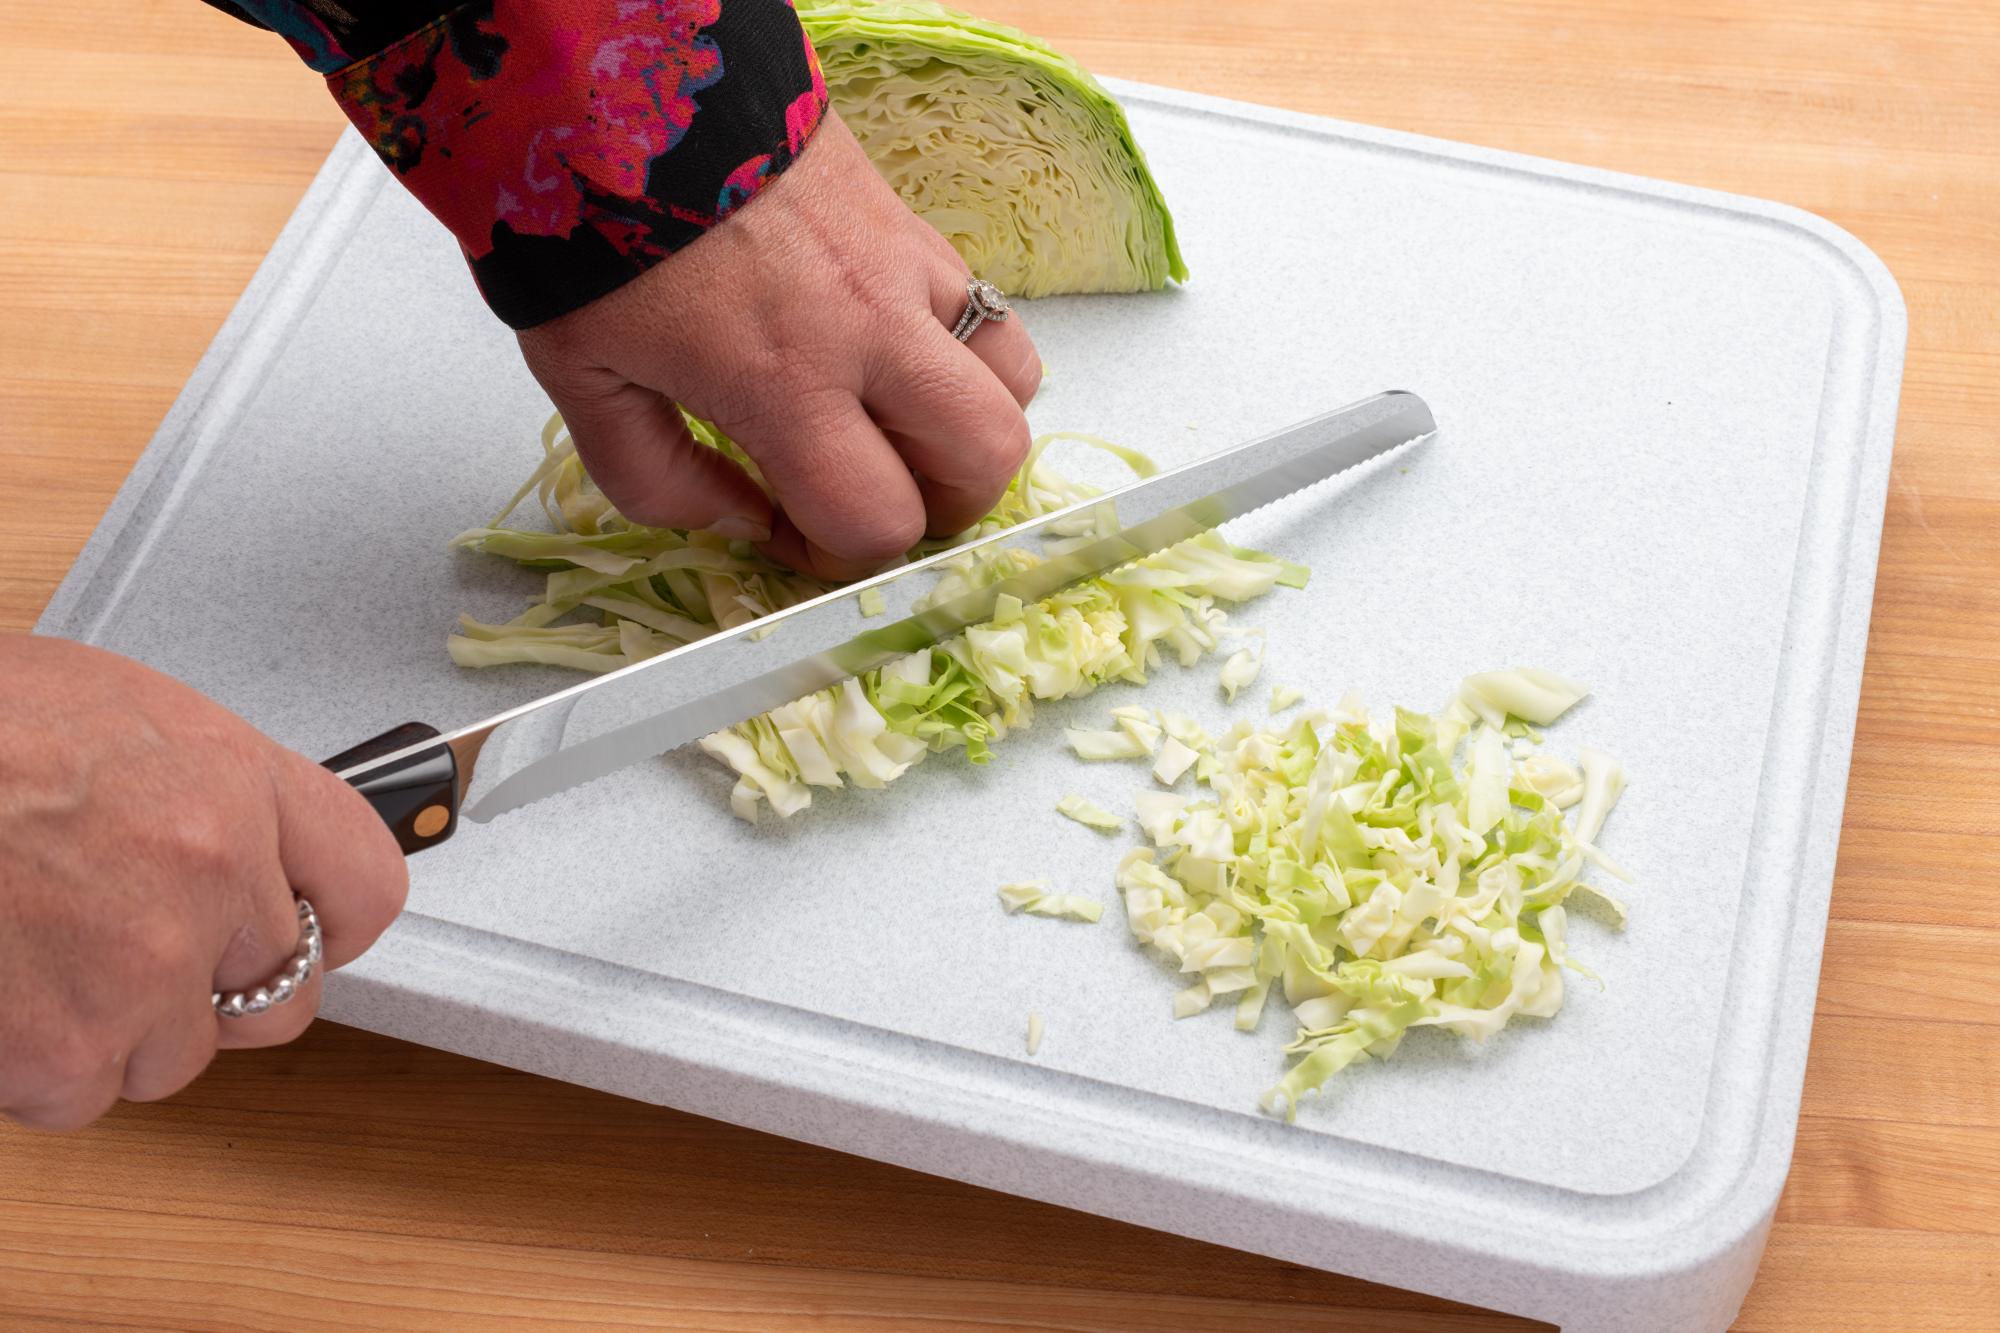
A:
149	153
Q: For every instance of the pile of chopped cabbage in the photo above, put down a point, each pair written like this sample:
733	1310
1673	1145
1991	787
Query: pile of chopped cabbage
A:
618	592
1010	149
1382	873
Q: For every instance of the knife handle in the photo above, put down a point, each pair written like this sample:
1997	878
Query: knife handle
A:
418	797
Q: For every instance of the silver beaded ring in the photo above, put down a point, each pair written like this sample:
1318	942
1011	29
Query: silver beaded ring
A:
291	979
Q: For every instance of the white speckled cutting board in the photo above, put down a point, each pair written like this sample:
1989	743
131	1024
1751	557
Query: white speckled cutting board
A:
1666	418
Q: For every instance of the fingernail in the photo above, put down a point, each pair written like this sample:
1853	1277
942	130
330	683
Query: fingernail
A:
739	529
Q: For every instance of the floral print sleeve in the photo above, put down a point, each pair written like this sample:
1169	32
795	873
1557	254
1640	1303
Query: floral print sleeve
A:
569	144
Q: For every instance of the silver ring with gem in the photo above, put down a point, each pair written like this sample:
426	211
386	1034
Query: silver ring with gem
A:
983	301
290	980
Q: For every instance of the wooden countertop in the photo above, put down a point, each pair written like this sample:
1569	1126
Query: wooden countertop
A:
150	151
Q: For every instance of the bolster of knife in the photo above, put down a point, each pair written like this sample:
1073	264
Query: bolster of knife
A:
416	797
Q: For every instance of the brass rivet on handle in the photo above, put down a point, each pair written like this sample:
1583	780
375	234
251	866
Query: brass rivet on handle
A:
430	821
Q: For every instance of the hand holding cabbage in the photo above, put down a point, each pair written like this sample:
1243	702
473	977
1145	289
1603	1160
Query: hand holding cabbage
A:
814	327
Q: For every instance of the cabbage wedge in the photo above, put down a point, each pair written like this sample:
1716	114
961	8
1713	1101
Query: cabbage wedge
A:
1011	150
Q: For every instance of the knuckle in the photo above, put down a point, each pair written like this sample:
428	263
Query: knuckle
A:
788	411
991	451
59	1066
153	949
202	843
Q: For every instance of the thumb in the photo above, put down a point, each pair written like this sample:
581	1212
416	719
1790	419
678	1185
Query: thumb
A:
636	447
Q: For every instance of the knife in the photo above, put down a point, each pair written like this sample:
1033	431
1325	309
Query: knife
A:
421	781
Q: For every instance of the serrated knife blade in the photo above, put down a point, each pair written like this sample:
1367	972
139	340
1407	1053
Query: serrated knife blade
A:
420	779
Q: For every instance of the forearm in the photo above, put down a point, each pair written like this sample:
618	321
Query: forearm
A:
570	145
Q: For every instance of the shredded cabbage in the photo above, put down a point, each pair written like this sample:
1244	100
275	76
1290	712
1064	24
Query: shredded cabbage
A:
1035	1029
1603	784
1528	693
1383	873
1103	744
1034	898
1240	670
1089	813
650	589
1137	723
1011	150
1176	758
971	689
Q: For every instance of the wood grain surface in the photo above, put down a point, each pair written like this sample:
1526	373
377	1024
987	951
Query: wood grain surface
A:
149	152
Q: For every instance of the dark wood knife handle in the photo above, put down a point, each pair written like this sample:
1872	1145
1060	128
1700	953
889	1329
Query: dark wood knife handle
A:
416	797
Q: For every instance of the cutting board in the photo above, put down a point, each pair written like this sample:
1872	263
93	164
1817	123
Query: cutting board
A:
1666	420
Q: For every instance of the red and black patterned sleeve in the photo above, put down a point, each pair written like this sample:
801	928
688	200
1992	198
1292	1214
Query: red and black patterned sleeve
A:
569	144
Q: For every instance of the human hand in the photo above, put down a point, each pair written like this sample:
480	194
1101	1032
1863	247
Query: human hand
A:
150	846
813	326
